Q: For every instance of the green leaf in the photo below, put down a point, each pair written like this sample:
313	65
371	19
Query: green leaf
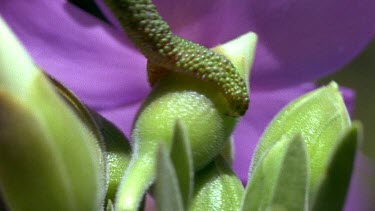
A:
332	191
291	188
109	206
280	180
168	195
217	188
46	150
183	162
320	117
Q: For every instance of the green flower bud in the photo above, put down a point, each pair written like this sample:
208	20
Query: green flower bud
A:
200	107
320	117
46	151
197	105
191	83
217	188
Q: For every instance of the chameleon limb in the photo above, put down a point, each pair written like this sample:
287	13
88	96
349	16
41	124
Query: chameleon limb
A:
167	56
166	52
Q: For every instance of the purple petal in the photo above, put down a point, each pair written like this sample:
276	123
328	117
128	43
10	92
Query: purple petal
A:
305	40
123	116
299	41
349	96
316	47
85	54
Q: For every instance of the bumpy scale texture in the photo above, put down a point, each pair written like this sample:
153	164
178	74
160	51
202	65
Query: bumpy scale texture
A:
166	52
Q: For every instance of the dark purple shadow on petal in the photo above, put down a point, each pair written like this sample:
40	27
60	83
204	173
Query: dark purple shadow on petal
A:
90	7
108	14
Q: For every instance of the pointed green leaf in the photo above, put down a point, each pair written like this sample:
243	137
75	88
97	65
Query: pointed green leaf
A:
332	191
168	195
280	180
110	206
320	117
217	188
183	162
291	188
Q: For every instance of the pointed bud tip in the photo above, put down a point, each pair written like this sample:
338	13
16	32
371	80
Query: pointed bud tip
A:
333	85
240	51
17	68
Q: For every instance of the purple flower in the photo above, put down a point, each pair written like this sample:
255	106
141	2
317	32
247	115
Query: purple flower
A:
299	42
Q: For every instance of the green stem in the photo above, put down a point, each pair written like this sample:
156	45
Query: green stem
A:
138	178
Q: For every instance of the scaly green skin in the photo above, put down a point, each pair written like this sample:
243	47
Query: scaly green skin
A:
166	52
